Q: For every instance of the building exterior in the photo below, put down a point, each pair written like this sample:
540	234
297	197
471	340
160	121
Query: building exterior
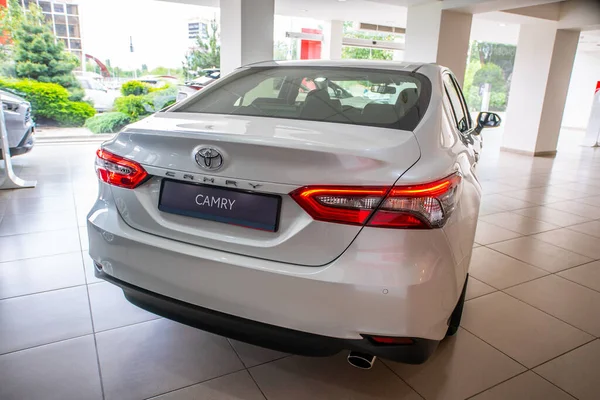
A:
197	27
63	16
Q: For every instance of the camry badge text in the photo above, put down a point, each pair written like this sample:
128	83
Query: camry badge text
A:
209	180
214	202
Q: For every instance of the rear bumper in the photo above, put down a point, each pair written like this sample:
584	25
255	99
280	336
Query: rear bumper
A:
265	335
400	283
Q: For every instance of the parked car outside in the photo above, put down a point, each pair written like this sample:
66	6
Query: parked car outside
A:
309	225
102	97
159	81
208	77
19	125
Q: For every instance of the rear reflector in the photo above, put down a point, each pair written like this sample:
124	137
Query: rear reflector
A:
392	340
118	171
421	206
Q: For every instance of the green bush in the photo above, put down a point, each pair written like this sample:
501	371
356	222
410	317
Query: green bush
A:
76	94
75	113
156	100
108	122
135	88
497	101
133	106
50	101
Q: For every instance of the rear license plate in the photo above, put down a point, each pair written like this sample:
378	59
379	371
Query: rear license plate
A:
230	206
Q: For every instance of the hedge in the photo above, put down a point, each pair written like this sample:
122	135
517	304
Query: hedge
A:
133	106
139	106
107	122
156	100
135	88
50	101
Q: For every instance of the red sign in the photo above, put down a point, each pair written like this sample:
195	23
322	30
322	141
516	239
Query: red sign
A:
310	49
597	87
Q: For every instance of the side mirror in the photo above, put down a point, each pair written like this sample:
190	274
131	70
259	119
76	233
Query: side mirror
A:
487	120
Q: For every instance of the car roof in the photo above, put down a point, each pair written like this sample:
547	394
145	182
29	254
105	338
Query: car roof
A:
374	64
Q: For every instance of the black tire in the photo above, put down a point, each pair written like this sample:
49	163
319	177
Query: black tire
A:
454	323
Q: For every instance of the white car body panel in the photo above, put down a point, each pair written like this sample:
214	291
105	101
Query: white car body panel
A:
375	287
304	153
329	279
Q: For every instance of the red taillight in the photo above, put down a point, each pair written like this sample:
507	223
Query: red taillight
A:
118	171
419	206
346	205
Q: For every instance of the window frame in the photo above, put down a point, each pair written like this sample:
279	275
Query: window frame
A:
463	105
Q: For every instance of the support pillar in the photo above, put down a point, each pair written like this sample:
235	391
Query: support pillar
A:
246	32
333	33
538	90
438	36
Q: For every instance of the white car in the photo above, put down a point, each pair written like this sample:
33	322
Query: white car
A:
102	97
19	125
304	226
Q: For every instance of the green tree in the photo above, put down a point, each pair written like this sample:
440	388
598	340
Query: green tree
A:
472	93
490	63
363	52
160	71
493	74
206	54
37	53
11	17
280	50
502	55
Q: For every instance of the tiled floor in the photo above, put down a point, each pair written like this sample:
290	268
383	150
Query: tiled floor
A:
531	324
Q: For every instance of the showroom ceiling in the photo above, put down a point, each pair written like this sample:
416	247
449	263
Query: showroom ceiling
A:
501	27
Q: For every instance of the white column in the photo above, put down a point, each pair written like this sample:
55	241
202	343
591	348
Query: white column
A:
333	33
399	54
246	32
438	36
538	90
422	32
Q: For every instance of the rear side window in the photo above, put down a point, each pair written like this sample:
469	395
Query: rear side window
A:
459	107
382	98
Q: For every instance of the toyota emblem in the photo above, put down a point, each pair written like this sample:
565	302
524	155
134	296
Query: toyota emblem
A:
209	158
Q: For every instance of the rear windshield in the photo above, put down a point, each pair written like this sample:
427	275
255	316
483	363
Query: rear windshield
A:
381	98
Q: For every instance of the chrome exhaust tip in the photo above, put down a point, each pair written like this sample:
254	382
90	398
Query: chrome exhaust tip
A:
361	360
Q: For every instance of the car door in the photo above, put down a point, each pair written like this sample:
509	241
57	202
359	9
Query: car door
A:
461	117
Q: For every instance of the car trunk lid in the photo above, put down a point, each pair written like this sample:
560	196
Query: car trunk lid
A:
267	156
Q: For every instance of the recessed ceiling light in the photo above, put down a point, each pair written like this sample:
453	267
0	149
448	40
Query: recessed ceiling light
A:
502	24
341	0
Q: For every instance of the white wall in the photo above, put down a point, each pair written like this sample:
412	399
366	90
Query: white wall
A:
586	72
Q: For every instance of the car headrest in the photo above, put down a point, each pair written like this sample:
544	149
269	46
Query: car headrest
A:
318	106
320	94
408	98
380	113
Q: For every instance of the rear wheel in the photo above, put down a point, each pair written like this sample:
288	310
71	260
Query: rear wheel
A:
457	313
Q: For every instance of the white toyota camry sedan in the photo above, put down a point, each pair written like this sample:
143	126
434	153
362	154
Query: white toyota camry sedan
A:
310	207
